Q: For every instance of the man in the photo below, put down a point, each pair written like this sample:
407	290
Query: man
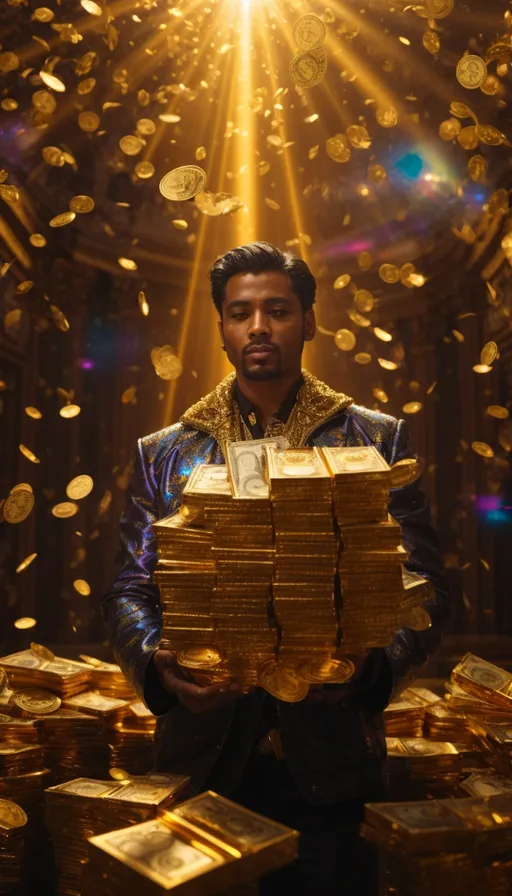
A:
330	756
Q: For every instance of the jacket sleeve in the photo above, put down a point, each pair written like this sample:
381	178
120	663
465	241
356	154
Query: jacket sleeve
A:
391	670
131	608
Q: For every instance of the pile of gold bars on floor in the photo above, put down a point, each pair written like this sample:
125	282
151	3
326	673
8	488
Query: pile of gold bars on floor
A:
84	807
273	570
203	846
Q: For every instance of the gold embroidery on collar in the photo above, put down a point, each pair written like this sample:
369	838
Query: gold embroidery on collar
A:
217	413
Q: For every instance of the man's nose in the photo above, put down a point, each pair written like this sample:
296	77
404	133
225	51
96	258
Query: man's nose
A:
259	325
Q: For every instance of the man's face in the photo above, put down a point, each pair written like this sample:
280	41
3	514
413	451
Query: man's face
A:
263	326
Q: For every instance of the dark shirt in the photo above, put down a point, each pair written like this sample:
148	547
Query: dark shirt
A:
250	417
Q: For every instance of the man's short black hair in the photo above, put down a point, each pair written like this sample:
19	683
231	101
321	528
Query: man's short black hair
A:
256	258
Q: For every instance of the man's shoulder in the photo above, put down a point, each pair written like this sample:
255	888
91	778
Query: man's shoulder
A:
374	418
159	443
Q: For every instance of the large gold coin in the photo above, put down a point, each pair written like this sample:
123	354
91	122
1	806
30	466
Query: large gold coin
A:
471	71
199	657
417	619
42	652
11	815
309	32
64	510
79	487
81	204
439	9
282	682
404	472
18	505
308	69
489	353
345	340
483	449
319	671
183	183
36	700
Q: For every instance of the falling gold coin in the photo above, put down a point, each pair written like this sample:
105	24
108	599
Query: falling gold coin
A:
21	485
309	32
417	619
63	219
9	193
82	587
364	301
43	14
358	318
29	454
131	145
439	9
337	148
341	281
390	273
183	183
412	407
431	42
404	472
482	368
64	510
79	487
37	240
471	71
387	116
42	652
283	683
345	340
483	449
498	202
89	121
362	358
53	156
25	622
94	9
449	129
129	394
69	411
144	170
387	365
380	395
82	205
180	224
200	153
44	102
9	62
127	263
52	81
119	774
36	700
24	287
489	353
359	137
383	335
24	565
498	411
325	671
477	168
18	505
307	69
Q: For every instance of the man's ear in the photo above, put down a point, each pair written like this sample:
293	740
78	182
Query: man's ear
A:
309	325
221	331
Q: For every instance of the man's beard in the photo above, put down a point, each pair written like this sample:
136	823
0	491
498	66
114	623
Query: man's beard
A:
262	374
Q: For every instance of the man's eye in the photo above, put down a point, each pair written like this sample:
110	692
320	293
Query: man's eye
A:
279	311
238	315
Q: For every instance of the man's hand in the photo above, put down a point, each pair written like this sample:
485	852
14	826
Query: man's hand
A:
334	693
191	695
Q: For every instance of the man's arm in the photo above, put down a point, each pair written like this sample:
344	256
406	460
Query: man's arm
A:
131	608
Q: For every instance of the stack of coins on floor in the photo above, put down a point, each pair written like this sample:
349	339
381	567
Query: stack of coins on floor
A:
13	847
108	679
459	846
306	554
85	807
131	741
204	845
372	555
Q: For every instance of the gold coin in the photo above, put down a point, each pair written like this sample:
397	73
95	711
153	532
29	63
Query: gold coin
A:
417	619
359	137
383	335
449	129
94	9
119	774
183	183
69	411
64	510
431	42
131	145
9	62
85	86
309	32
483	449
9	193
337	148
345	340
404	472
282	682
341	281
308	69
21	485
11	815
37	240
146	126
387	365
25	622
477	168
468	137
144	170
390	273
412	407
53	156
29	454
438	9
318	671
63	219
43	14
36	700
363	300
489	353
9	104
471	71
362	358
52	81
42	652
3	681
44	102
91	660
498	202
199	657
88	121
82	587
498	411
79	487
81	204
489	135
18	505
481	368
387	116
127	263
358	318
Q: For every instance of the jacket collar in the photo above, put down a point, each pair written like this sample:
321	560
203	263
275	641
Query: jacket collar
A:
218	414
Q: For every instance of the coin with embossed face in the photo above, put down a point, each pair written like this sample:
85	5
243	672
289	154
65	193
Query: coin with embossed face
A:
36	700
11	815
309	32
282	682
308	69
18	505
319	671
471	71
183	183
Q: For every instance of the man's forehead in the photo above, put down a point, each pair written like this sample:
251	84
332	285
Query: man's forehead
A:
267	284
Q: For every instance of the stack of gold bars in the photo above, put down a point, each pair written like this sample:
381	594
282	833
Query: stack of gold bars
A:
458	846
131	741
38	667
75	743
109	709
419	766
13	847
85	807
108	679
201	847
